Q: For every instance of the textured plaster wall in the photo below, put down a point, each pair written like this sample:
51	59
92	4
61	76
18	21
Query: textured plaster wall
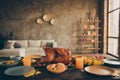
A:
19	17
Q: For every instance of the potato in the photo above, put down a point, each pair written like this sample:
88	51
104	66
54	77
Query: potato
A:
9	62
93	61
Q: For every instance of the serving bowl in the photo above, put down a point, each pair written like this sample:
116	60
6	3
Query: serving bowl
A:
57	68
8	63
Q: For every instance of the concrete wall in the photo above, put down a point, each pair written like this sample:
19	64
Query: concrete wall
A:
19	17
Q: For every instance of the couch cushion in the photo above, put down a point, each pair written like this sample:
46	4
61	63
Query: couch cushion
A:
12	52
34	43
40	49
9	45
32	49
22	43
44	42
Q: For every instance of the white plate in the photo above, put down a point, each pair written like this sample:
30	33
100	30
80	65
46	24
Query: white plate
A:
19	70
112	61
100	70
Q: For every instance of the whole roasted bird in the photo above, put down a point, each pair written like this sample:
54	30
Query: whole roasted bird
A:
56	55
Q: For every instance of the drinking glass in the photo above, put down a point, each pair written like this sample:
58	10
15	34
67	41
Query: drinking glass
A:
27	61
79	62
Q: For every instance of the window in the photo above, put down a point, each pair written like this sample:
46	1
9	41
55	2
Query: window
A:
113	27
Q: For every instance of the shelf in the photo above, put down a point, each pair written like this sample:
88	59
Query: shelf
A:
87	35
92	48
88	42
84	52
90	21
92	29
87	29
83	49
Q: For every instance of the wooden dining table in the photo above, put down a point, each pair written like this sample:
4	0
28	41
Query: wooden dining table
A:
70	74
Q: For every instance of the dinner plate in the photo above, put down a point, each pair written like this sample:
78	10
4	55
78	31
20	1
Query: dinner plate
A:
112	61
100	70
19	70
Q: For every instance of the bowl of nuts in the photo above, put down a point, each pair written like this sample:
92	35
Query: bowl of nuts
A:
8	63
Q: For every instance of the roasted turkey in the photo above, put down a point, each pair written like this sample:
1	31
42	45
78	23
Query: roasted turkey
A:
56	55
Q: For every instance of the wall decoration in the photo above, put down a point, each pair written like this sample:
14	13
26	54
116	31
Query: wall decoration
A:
39	21
46	17
52	21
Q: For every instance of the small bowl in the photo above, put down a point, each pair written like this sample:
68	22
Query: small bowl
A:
15	58
8	63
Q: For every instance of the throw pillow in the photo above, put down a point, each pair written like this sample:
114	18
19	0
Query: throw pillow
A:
43	43
16	45
9	45
49	44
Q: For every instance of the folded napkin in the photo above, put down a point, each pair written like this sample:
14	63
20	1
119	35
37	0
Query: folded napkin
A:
32	73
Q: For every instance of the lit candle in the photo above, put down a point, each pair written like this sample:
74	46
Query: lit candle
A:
27	61
79	62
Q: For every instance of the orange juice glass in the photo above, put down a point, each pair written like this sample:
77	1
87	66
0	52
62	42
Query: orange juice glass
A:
79	62
27	61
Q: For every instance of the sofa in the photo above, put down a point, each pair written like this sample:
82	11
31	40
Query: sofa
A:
26	47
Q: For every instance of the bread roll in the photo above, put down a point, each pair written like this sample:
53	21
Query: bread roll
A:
51	66
60	66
